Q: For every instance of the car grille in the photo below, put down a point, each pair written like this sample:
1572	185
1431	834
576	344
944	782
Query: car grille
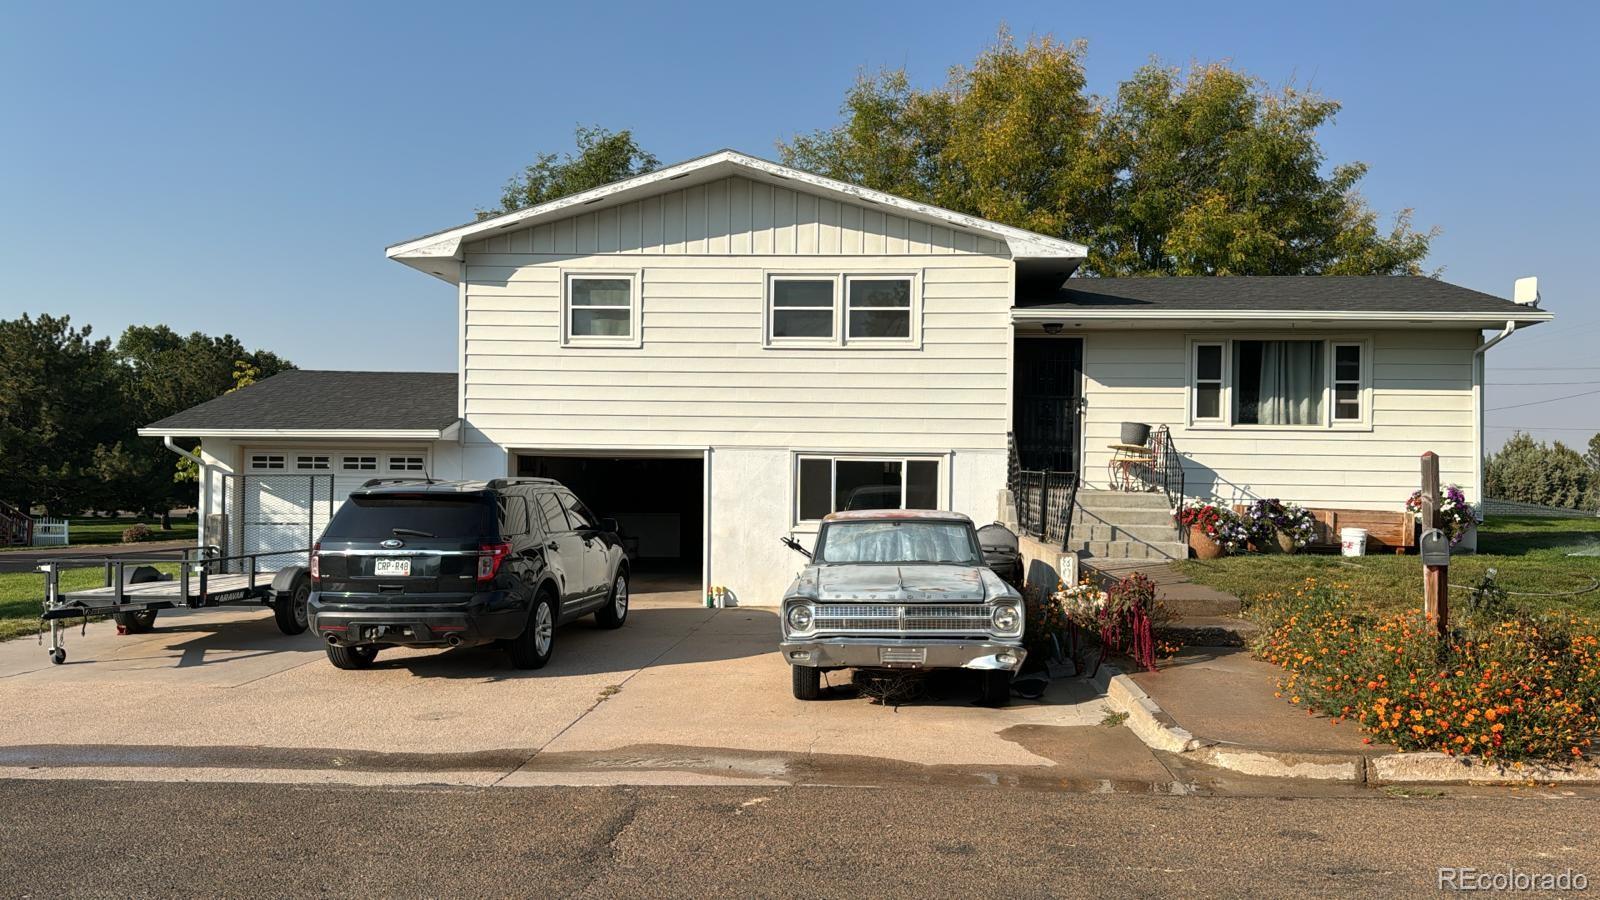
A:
909	618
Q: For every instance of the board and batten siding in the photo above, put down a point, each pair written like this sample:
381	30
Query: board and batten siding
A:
1422	399
702	376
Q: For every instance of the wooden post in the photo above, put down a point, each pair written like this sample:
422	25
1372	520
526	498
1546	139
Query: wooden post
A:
1435	579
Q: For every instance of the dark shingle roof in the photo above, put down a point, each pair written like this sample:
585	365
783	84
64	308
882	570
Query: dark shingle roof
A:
309	399
1289	293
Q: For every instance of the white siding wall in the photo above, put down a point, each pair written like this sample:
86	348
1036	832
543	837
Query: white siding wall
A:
1422	399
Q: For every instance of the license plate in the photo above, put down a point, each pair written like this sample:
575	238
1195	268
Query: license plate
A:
400	568
902	655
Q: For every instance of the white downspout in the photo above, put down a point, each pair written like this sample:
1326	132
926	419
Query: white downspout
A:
205	486
1479	373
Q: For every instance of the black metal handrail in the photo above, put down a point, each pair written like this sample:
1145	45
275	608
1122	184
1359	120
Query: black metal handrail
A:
1167	469
1045	501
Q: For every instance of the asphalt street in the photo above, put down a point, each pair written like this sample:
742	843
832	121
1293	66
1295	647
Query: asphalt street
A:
96	839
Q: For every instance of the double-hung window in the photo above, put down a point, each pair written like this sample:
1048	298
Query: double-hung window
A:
878	308
1278	383
802	309
827	484
600	309
843	310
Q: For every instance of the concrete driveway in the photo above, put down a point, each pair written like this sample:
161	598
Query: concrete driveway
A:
679	694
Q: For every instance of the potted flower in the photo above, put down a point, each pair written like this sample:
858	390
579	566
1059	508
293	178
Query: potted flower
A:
1457	518
1284	526
1212	529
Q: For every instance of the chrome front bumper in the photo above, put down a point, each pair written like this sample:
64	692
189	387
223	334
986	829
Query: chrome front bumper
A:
894	653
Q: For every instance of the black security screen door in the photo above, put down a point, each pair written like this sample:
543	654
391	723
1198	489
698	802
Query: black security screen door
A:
1048	390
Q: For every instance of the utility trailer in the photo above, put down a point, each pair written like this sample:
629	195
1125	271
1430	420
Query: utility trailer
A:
135	591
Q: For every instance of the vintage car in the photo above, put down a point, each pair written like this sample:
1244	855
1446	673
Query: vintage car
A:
900	589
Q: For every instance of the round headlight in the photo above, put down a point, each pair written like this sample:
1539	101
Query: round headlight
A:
1004	618
800	617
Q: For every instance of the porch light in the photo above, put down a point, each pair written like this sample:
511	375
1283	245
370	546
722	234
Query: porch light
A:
1052	328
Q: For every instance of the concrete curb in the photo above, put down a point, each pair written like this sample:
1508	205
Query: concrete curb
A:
1159	731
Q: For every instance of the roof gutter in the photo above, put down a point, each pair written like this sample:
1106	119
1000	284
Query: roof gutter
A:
1479	376
1511	325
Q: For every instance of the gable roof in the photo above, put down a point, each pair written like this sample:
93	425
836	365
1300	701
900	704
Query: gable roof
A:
312	403
1283	297
424	252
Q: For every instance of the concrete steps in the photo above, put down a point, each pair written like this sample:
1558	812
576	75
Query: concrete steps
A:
1118	525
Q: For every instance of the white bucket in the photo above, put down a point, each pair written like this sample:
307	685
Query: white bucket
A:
1353	541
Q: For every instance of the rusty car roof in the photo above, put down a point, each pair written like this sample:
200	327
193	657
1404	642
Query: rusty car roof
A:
857	515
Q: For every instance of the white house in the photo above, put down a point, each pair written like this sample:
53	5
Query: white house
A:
720	352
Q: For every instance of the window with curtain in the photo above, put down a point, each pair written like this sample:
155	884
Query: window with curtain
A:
1278	382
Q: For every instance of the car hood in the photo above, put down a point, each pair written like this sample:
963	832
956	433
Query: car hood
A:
899	584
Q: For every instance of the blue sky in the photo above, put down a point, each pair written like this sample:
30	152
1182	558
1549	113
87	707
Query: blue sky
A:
240	167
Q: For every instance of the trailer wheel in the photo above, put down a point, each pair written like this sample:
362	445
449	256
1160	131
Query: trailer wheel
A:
58	655
290	608
135	622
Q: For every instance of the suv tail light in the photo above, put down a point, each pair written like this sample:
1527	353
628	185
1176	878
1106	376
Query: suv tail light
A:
490	556
316	564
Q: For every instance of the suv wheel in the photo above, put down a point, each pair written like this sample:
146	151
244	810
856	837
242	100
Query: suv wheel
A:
291	610
614	613
531	649
357	657
996	688
807	682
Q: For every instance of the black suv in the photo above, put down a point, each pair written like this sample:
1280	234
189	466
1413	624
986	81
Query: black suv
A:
415	563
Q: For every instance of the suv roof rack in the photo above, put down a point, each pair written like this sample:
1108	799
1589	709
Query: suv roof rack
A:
374	482
507	482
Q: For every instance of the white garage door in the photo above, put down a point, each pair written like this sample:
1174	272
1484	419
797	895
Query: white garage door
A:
286	497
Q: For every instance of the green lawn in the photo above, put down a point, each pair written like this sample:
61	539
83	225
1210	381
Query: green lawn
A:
90	532
1530	556
22	596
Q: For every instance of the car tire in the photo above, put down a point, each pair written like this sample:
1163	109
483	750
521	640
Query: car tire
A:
807	682
995	688
360	656
615	612
532	648
140	622
291	610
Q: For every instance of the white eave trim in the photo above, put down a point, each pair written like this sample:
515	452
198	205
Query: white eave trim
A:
366	434
1022	244
1487	320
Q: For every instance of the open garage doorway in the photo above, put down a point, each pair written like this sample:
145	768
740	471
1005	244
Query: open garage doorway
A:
658	502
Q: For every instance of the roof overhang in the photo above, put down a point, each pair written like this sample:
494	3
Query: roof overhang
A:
1035	318
447	433
438	254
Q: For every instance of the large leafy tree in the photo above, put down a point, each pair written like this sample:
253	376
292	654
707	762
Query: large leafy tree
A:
59	401
603	157
1204	172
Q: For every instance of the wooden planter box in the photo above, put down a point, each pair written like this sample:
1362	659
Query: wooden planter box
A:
1391	531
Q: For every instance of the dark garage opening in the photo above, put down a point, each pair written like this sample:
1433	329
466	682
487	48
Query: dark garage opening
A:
657	502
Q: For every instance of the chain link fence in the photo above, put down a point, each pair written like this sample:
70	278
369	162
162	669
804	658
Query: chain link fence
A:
277	516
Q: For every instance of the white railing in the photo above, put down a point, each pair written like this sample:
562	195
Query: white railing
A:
51	532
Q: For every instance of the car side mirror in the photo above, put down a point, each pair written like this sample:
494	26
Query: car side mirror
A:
794	545
609	525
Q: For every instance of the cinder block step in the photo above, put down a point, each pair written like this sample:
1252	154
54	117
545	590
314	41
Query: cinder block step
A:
1093	530
1155	550
1122	516
1094	499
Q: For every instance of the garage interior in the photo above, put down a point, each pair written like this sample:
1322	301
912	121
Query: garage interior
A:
657	502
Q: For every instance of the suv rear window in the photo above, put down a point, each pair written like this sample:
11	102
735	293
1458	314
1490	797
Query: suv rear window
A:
376	515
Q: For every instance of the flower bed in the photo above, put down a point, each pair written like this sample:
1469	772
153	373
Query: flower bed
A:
1504	685
1122	619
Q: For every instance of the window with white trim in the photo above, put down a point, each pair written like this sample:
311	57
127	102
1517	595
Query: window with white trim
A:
359	463
827	484
1347	382
1278	382
878	308
405	464
600	309
266	462
312	463
802	309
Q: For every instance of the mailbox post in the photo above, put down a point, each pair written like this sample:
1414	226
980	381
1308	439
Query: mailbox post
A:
1435	550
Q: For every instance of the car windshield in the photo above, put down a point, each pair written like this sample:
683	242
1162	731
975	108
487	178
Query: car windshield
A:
366	516
898	541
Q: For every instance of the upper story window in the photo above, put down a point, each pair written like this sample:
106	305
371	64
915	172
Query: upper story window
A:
802	310
600	309
841	310
878	308
1288	383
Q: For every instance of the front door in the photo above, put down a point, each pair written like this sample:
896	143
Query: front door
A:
1047	389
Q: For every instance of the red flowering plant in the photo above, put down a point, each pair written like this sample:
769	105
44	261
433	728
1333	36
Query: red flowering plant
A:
1456	515
1219	523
